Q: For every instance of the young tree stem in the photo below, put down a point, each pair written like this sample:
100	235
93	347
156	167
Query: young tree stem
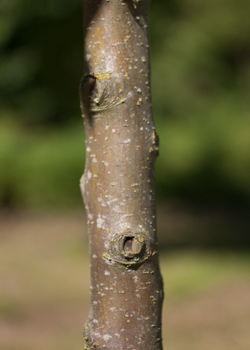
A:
118	182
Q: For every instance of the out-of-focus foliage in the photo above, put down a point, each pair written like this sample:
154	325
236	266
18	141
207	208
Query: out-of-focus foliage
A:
201	94
41	170
201	99
41	60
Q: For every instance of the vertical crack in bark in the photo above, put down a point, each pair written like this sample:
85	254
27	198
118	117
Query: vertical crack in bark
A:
118	182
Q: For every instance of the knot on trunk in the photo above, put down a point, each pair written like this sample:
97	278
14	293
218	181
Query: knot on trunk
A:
130	248
99	92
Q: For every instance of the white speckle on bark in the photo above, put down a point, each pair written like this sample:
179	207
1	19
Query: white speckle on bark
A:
135	278
99	221
106	337
87	57
89	174
106	273
116	208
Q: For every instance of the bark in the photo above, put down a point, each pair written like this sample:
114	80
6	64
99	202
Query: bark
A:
118	182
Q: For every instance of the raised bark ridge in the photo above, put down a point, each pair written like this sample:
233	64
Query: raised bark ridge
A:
118	182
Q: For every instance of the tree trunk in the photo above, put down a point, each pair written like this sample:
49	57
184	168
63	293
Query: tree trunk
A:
118	182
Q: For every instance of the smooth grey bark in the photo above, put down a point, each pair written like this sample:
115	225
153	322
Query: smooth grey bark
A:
118	182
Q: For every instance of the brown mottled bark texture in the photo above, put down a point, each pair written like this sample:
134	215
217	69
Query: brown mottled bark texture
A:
118	182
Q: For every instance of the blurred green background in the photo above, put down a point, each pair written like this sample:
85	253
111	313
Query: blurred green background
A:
201	96
200	54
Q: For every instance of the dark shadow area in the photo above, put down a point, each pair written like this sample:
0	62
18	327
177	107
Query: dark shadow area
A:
196	225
